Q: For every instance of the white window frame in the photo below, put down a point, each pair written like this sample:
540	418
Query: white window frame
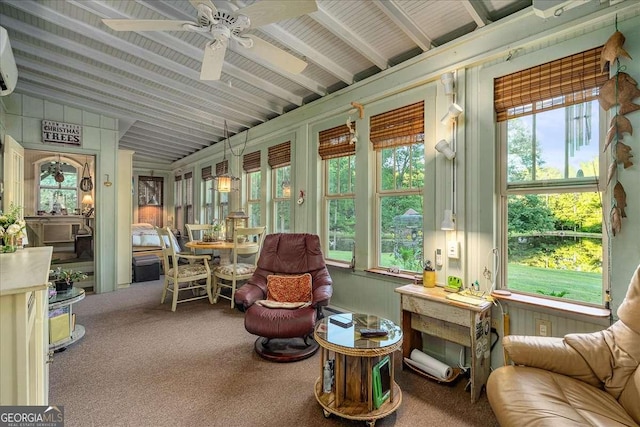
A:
329	197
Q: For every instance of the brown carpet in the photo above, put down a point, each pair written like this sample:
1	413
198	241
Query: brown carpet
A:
139	364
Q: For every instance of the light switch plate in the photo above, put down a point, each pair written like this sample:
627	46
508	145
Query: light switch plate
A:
453	249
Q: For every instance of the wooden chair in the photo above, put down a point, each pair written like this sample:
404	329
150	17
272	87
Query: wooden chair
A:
176	273
251	243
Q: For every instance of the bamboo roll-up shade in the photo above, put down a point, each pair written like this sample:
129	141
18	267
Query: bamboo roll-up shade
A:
335	142
251	162
206	173
280	155
560	83
222	167
178	177
402	126
188	175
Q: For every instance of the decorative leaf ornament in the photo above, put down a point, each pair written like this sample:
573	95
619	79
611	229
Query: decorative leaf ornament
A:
620	91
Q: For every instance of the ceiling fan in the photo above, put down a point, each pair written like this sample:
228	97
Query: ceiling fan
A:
224	25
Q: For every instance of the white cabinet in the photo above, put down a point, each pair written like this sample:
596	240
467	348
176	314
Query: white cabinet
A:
24	327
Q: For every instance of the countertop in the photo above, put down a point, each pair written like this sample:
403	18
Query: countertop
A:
25	270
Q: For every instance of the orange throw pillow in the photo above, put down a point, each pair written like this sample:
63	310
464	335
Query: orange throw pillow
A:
289	288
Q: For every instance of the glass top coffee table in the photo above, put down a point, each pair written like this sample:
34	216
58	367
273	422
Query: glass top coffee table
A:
352	393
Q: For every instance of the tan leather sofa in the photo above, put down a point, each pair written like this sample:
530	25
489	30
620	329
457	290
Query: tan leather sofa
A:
579	380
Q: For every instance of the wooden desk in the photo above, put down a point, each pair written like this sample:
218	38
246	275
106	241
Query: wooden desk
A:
427	310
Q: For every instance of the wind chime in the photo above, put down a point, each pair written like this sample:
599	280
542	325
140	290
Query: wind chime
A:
620	90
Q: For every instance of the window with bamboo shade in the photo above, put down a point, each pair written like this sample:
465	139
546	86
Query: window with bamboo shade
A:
402	126
280	155
556	84
336	142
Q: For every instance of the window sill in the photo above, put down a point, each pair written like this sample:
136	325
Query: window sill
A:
597	313
401	276
337	264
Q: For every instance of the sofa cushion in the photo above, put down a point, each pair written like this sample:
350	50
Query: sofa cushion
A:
289	288
524	396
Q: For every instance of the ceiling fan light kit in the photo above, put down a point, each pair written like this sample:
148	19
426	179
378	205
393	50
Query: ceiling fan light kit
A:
224	26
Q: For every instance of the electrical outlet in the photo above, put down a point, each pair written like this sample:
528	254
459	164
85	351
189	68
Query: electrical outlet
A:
543	328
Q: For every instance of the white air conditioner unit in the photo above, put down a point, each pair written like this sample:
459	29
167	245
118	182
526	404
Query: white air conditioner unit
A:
8	69
550	8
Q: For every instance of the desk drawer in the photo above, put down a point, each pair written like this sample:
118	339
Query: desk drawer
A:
437	310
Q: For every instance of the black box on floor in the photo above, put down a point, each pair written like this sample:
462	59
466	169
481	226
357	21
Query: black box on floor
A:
146	268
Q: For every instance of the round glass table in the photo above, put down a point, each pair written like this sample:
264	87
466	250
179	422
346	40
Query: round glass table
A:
355	359
62	328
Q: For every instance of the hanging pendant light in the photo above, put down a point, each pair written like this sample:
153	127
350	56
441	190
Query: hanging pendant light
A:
223	181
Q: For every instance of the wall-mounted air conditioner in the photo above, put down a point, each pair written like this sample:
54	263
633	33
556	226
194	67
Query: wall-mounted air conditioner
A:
8	69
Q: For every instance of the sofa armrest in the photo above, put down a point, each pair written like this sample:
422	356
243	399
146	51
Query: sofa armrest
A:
549	353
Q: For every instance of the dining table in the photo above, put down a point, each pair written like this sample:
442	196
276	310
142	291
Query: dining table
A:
223	246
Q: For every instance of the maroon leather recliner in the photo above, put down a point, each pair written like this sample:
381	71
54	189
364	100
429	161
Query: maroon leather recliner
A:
283	253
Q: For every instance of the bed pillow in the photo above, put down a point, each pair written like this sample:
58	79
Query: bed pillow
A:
289	288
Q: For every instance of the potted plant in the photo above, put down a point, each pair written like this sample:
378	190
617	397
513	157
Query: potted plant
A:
64	278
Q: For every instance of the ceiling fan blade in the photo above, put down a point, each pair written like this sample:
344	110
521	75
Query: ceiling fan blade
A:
145	25
212	61
207	3
266	12
276	56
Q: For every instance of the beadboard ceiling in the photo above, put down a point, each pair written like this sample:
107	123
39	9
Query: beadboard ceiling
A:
151	82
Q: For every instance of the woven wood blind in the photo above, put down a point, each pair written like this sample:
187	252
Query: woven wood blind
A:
560	83
280	155
334	142
178	178
222	167
206	173
251	162
402	126
188	175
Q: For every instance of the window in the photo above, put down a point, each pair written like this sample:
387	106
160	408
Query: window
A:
221	199
54	195
251	165
551	194
398	139
188	197
280	162
338	153
179	212
207	195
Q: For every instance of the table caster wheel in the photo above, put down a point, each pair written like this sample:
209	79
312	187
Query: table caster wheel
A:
326	413
371	423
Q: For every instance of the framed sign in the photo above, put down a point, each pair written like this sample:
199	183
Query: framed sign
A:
61	133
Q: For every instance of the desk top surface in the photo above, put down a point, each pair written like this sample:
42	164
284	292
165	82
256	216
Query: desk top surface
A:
438	294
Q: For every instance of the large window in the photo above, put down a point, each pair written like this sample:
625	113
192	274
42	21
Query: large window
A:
398	139
338	154
280	162
251	165
58	187
551	195
207	195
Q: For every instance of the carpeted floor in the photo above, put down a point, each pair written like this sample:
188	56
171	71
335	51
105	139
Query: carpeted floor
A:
139	364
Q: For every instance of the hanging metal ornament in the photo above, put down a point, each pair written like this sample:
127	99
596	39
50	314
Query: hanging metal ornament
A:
86	184
59	176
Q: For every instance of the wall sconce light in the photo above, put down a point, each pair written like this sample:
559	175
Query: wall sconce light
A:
443	147
448	82
107	182
448	223
452	113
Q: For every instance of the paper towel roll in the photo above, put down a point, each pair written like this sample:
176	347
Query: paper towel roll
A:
430	365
